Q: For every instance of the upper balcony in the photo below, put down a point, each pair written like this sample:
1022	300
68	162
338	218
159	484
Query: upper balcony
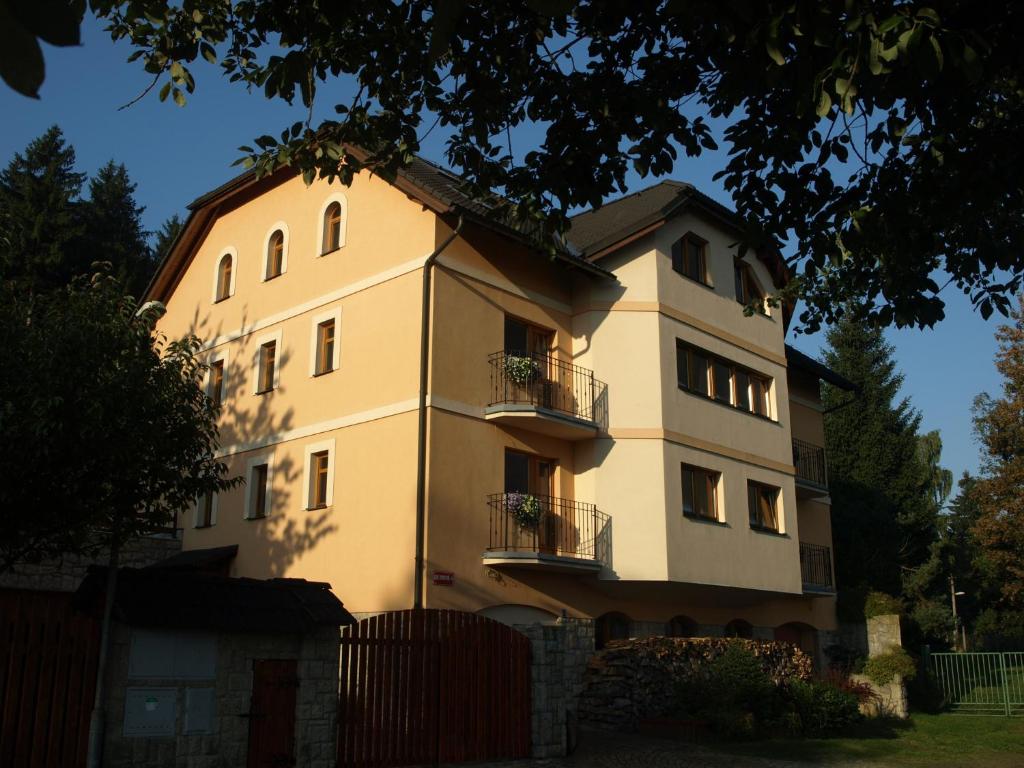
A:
541	393
811	478
816	568
547	532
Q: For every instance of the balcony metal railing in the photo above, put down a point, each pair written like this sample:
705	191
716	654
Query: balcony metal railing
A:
809	460
565	527
545	382
816	566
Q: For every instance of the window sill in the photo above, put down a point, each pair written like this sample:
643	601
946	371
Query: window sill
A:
272	277
256	517
200	527
705	520
722	404
769	531
701	283
318	374
221	299
264	391
330	251
318	507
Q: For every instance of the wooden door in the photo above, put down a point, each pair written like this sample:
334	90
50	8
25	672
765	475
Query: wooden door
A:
275	684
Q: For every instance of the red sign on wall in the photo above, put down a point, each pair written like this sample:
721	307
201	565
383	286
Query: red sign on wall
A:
444	578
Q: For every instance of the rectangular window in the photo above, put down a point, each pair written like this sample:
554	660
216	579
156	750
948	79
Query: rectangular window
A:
258	491
762	506
689	257
217	382
721	380
700	492
268	361
325	347
204	511
319	463
722	374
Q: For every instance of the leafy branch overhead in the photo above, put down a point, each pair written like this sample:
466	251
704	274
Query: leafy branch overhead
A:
879	141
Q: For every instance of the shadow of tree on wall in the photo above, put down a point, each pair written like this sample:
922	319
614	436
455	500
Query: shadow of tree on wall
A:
253	425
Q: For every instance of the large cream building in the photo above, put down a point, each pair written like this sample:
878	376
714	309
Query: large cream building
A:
604	433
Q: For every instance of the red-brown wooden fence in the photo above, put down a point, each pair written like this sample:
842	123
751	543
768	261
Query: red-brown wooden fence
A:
48	654
432	686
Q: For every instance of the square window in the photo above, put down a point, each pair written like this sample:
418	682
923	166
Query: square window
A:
762	506
700	492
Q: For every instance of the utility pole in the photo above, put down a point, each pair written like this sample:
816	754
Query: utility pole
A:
953	594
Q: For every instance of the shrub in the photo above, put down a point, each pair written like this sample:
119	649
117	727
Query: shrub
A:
861	691
884	668
844	660
881	604
823	709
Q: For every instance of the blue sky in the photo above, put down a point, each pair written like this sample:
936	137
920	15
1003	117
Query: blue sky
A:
175	154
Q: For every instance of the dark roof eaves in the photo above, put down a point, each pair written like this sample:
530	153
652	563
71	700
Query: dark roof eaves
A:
807	363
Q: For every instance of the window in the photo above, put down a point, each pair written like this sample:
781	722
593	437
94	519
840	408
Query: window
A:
700	492
762	505
719	379
747	289
206	510
267	366
225	277
320	462
325	347
611	626
216	387
259	491
332	227
682	626
275	255
739	628
689	257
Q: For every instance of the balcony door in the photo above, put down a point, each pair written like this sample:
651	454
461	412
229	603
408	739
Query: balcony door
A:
525	340
535	475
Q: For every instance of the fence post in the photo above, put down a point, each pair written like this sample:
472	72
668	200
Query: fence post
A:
1005	682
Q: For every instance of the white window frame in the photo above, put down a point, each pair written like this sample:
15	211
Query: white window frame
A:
280	225
335	315
233	253
255	461
337	197
218	356
323	445
213	512
277	337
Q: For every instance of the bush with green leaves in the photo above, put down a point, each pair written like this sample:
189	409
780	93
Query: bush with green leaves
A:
884	668
881	604
823	708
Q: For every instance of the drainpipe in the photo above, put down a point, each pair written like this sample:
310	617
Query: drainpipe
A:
421	437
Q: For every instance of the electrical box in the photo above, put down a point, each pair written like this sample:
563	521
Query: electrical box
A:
150	711
172	655
199	704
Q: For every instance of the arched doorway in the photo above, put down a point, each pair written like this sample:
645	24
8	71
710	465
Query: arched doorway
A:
803	636
739	628
611	626
682	626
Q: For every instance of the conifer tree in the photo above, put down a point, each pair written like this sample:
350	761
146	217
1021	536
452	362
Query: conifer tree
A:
166	236
883	521
112	228
39	217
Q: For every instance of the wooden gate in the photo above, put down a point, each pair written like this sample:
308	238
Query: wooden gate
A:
272	713
432	686
48	655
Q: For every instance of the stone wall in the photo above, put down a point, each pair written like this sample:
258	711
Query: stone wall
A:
634	680
66	573
227	744
560	655
883	635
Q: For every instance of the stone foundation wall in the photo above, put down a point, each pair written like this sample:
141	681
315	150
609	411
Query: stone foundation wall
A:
227	745
560	655
634	680
66	574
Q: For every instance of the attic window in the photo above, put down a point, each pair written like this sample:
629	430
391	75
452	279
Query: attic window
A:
689	258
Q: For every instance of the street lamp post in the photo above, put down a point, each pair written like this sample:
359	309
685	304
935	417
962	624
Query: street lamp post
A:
953	595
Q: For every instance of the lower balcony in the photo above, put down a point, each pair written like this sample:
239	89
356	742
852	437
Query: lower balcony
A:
816	569
547	533
543	394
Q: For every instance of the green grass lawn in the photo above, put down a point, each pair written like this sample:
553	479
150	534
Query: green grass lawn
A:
936	741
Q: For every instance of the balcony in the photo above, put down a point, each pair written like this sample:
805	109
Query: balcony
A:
544	394
809	460
816	569
547	533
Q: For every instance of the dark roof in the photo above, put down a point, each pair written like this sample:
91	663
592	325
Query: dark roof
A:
213	560
170	598
800	361
595	230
